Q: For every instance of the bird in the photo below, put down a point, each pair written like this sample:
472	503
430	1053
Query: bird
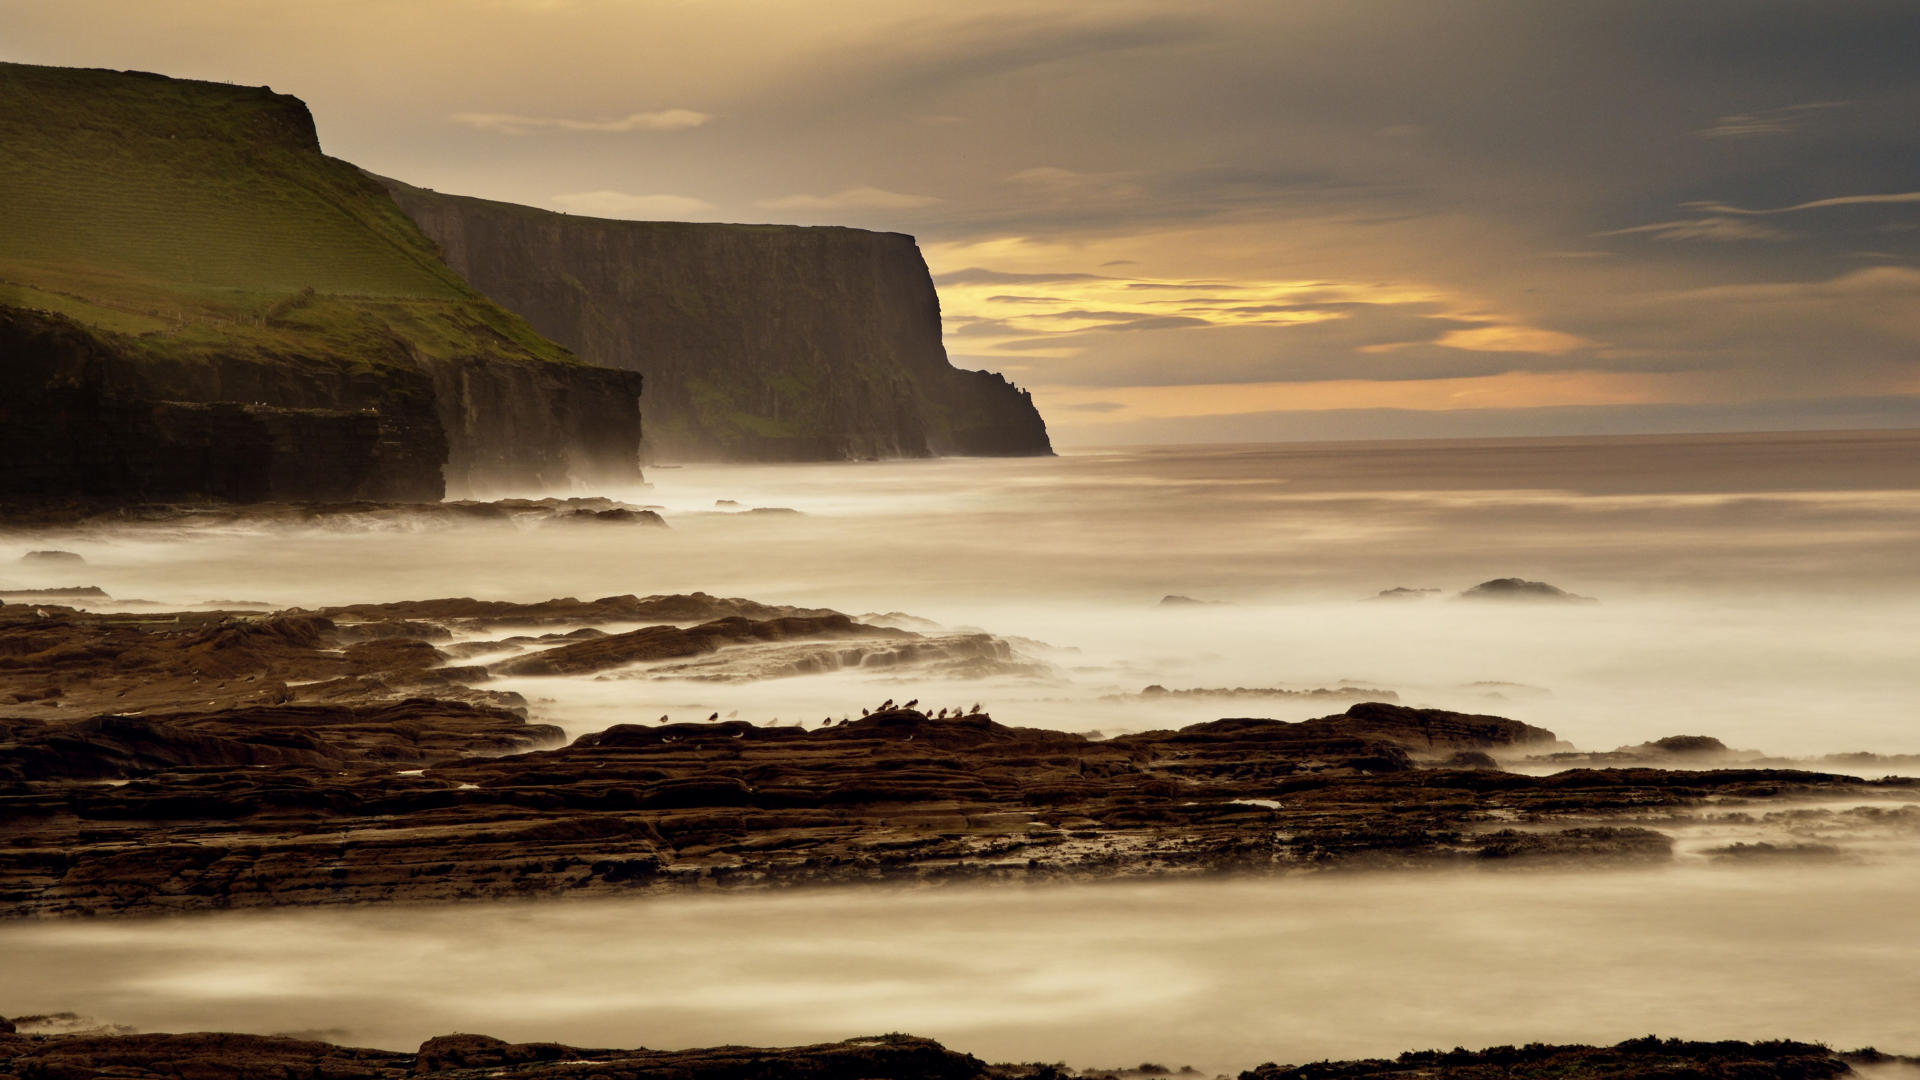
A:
887	704
941	715
662	720
864	712
911	704
712	718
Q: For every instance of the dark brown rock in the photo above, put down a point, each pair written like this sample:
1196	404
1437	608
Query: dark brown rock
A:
1651	1056
670	642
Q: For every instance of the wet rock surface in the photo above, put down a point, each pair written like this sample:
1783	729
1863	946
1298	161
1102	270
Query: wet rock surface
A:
220	1056
1783	1059
356	754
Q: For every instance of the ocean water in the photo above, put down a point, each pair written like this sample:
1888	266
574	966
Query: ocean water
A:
1217	975
1761	589
1758	588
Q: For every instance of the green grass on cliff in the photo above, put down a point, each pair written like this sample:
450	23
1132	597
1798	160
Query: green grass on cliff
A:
186	218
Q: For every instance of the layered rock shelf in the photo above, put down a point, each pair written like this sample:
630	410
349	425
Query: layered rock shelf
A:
358	754
216	1056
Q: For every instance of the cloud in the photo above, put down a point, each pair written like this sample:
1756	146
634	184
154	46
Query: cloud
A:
1520	339
514	124
854	198
1817	204
1808	414
995	46
976	275
1181	285
1068	183
1396	343
620	204
1719	230
1782	121
1125	320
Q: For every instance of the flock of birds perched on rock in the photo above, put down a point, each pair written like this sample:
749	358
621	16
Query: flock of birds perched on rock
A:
885	706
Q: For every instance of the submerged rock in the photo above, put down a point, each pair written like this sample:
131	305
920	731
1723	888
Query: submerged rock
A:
1401	592
63	557
1514	588
1176	600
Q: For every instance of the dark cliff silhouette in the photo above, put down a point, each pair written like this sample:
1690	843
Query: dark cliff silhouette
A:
196	302
759	342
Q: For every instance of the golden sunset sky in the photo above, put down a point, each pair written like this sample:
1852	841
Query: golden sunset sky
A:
1272	219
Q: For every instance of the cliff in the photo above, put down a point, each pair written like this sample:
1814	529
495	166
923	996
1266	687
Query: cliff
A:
759	342
196	302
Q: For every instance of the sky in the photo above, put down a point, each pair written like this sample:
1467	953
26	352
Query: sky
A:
1203	220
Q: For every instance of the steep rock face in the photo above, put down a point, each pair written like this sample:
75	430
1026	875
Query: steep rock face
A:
196	302
760	342
541	426
80	418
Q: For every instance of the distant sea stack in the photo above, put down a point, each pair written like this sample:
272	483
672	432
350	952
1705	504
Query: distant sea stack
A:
759	342
195	302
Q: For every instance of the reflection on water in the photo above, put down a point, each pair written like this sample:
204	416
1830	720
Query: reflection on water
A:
1221	975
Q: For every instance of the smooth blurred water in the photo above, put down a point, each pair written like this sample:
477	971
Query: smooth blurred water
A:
1762	589
1220	975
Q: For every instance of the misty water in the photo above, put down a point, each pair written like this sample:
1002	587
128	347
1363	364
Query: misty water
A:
1760	589
1218	975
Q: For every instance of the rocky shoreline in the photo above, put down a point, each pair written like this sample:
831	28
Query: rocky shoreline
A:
218	1056
154	763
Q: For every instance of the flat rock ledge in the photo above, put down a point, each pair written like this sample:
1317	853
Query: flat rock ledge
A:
222	1056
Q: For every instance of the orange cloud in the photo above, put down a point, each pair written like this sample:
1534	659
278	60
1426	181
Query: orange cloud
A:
1511	390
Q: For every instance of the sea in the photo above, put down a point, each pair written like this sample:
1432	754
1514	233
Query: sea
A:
1762	589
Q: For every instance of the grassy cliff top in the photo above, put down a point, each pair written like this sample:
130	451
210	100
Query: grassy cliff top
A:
185	217
588	221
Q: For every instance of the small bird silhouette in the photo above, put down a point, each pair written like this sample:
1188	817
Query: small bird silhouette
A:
941	715
662	720
911	704
712	718
864	712
887	704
